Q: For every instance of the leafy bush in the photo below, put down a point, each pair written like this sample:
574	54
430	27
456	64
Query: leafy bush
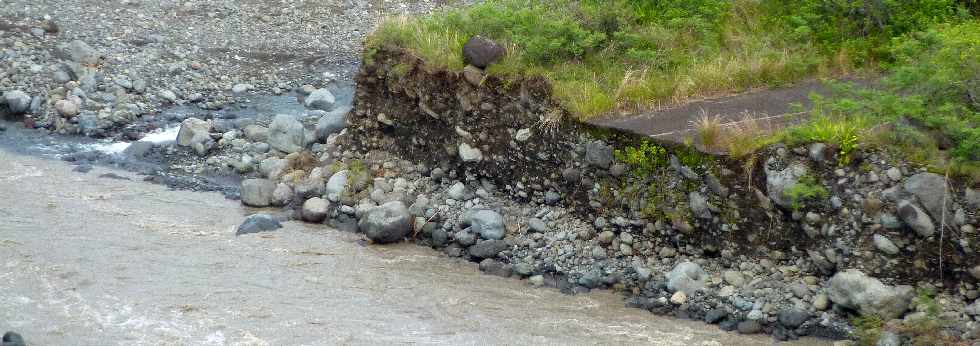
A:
644	159
860	27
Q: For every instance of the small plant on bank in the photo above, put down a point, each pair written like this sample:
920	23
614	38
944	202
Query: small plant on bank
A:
710	130
867	329
644	159
805	190
927	330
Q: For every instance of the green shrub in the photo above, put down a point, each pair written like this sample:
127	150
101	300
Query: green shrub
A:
644	159
927	109
805	190
861	28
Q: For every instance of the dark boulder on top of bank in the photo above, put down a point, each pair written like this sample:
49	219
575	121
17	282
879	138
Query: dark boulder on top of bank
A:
482	52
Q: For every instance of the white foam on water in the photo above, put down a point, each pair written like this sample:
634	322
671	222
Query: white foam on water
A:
161	136
158	136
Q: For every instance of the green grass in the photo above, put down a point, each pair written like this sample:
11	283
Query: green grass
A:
619	55
807	189
927	108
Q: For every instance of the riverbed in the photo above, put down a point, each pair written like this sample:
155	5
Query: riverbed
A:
95	259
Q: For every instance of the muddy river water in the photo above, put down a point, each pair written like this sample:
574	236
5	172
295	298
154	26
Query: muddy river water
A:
90	260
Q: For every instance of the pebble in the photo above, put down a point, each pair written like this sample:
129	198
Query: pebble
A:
678	298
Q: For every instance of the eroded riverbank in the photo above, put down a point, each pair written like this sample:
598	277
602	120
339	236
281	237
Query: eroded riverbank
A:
89	259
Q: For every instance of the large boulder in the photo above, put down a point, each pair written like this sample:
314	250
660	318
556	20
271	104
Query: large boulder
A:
315	210
488	248
469	154
321	99
258	223
482	52
18	102
687	277
387	223
256	133
257	192
699	205
286	134
777	182
273	167
598	154
282	195
330	124
930	189
336	185
66	108
854	290
916	218
972	197
485	222
82	53
196	134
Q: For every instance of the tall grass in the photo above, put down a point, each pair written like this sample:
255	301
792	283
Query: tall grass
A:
617	55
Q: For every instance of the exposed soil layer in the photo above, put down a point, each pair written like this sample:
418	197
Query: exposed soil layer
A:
531	149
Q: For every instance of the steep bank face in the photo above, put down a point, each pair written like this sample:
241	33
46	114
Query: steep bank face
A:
483	125
768	232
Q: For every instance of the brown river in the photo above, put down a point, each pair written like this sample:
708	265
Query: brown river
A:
89	260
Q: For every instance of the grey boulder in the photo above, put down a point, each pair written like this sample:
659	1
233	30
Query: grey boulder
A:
286	134
687	277
315	209
885	245
488	248
598	154
930	189
470	154
256	223
855	290
387	223
17	101
336	185
81	52
699	205
916	218
257	192
777	182
330	124
487	223
196	134
321	99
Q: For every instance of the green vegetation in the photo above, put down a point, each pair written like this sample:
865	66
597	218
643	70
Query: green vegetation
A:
619	54
927	330
859	30
928	108
645	159
614	55
607	55
867	329
807	189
